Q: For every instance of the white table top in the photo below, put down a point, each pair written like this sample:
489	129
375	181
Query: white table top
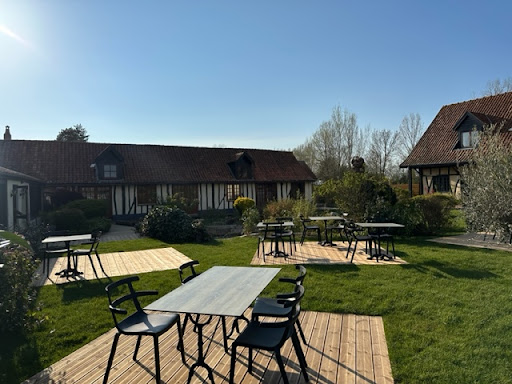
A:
379	225
67	238
220	291
285	224
325	218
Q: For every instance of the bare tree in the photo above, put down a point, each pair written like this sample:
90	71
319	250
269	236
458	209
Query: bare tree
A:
410	131
495	87
330	149
383	147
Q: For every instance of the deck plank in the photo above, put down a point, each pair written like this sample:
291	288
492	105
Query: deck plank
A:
342	348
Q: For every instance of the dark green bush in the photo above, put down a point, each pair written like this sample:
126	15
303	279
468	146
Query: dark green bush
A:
172	225
72	219
16	291
99	224
425	214
90	207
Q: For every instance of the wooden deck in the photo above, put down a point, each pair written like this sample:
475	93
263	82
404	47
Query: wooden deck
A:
313	253
342	349
115	264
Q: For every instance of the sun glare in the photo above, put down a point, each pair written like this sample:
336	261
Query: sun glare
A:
8	32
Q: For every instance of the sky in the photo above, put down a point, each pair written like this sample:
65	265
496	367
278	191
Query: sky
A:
242	74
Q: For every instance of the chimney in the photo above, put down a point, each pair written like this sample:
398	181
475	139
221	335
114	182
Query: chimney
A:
7	134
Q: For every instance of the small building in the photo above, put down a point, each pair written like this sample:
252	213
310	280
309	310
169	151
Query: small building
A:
448	142
133	178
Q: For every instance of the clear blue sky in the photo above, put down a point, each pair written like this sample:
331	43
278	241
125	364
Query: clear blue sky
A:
253	74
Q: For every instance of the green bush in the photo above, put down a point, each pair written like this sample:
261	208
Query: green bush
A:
250	218
278	208
71	219
90	207
99	224
241	204
425	214
172	225
16	291
181	202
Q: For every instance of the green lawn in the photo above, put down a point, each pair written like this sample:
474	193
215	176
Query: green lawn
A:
447	314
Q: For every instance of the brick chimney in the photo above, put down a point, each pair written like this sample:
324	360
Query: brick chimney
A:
7	133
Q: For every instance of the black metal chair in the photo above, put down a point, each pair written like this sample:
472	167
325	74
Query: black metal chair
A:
306	228
139	323
280	305
338	226
287	233
387	237
266	233
354	235
94	243
51	250
271	337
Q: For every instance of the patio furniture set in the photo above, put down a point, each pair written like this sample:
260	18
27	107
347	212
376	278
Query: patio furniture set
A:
280	231
218	292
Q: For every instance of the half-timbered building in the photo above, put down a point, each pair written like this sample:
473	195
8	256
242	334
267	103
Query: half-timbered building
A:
448	142
133	178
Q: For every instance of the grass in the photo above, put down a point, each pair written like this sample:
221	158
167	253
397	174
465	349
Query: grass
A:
447	313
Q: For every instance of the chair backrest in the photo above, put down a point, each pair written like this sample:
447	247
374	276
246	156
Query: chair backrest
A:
191	271
96	237
131	296
294	313
299	280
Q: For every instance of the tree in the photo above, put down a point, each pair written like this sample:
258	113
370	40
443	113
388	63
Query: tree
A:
330	149
383	147
487	184
410	131
76	133
495	87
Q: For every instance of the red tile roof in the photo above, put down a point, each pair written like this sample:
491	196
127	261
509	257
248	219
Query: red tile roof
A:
58	162
438	144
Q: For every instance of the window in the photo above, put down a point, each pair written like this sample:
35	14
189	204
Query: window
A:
232	191
146	194
469	139
441	183
95	193
110	171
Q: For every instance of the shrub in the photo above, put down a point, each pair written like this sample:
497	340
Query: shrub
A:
278	208
181	202
90	207
99	224
72	219
172	225
241	204
304	207
425	214
16	291
250	218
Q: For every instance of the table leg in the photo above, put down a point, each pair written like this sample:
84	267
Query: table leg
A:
69	271
200	353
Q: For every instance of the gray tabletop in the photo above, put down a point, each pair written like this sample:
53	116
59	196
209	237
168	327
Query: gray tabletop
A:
262	224
66	238
220	291
379	225
326	218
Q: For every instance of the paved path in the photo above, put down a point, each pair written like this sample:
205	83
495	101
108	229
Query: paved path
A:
477	240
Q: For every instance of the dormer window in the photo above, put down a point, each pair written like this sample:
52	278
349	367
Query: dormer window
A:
110	171
469	139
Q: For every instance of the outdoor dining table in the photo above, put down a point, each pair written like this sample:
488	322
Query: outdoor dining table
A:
219	291
325	219
67	239
276	225
379	227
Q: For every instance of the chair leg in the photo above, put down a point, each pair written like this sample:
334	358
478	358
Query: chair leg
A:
249	363
279	359
137	347
111	357
99	262
299	327
302	237
157	359
300	355
180	346
353	251
92	264
233	360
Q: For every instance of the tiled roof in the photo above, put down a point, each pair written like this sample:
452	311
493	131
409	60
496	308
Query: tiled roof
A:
13	174
58	162
438	145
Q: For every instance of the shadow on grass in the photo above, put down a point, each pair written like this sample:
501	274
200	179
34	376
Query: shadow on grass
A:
444	270
84	289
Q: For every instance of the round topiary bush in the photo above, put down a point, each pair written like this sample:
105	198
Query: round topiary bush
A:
172	225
